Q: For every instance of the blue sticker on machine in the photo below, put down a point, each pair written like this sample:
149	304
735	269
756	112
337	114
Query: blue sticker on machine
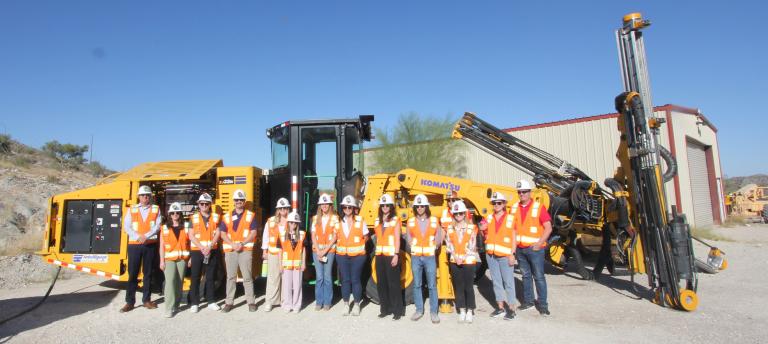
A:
89	258
240	179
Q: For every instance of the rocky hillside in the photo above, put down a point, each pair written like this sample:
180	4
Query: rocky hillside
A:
28	177
734	183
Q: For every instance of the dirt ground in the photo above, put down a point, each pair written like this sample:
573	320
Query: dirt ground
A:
732	307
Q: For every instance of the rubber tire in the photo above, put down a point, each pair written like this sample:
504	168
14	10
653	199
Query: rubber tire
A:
373	293
702	266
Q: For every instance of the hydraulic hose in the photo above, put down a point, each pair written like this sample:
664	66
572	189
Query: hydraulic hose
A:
53	282
670	162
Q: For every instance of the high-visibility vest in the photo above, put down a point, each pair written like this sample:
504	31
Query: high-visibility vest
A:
291	257
354	244
274	235
529	231
143	226
176	248
423	245
204	234
385	237
499	242
241	232
324	234
461	247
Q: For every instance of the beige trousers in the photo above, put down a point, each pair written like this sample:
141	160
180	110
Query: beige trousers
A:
243	260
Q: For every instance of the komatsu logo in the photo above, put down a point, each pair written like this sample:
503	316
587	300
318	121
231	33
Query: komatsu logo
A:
439	184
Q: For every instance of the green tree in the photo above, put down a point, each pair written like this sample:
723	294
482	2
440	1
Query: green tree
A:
5	144
421	143
66	154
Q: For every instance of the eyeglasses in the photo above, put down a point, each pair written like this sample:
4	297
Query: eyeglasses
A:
497	203
523	192
203	204
346	207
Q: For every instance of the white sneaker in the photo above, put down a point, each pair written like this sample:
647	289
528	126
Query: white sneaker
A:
462	315
469	317
345	309
287	309
194	309
268	308
169	314
214	306
356	309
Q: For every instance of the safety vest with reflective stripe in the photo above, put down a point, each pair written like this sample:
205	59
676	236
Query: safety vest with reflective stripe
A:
499	242
385	237
324	234
529	231
204	233
143	226
175	248
461	246
291	257
423	245
354	244
274	234
242	231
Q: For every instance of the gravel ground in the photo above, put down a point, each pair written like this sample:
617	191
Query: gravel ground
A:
85	309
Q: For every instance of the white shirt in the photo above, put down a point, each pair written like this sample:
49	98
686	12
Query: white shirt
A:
346	227
144	212
265	236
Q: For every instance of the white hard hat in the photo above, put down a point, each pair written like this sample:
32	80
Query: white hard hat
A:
175	207
294	217
145	190
523	185
283	203
386	199
325	199
498	196
239	194
458	207
420	199
205	198
349	200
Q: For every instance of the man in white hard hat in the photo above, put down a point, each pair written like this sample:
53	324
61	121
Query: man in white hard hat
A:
423	235
500	255
533	225
204	235
141	224
238	231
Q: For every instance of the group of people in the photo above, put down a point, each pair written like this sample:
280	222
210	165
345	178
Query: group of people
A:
514	236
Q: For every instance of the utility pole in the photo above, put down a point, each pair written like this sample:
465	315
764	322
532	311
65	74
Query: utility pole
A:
90	151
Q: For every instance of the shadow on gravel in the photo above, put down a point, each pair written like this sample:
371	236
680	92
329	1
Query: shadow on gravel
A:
55	308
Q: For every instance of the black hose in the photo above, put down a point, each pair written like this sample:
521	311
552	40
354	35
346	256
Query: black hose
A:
53	282
671	164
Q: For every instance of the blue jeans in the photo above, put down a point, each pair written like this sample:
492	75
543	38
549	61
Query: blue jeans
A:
533	261
503	278
351	271
323	280
418	265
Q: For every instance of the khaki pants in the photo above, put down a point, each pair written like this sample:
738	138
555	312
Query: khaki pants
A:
243	260
272	295
174	275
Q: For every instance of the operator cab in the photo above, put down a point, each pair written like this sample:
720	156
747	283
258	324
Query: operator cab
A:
325	156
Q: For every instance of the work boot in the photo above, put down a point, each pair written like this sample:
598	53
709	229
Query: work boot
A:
356	309
127	308
252	307
194	309
544	311
150	305
345	309
417	315
462	315
227	308
470	316
435	318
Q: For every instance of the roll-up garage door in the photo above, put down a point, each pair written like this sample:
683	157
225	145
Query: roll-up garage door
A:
697	167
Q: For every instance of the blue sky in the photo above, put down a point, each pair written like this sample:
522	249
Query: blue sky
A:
173	80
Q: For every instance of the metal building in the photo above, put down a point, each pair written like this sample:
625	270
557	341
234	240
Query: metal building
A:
590	143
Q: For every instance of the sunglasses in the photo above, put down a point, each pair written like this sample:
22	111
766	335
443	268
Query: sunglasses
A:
459	214
346	207
239	200
421	206
523	192
175	213
497	203
203	204
386	205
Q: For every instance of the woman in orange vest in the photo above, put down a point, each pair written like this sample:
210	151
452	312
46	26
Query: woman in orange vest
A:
423	234
174	250
292	263
387	253
204	239
461	238
350	254
275	226
324	227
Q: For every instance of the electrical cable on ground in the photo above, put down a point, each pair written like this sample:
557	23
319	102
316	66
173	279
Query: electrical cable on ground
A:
53	282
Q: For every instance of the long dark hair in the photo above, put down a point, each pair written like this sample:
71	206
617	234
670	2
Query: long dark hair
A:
428	212
391	214
169	221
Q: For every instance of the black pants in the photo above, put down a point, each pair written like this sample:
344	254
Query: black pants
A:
197	273
388	286
140	257
462	277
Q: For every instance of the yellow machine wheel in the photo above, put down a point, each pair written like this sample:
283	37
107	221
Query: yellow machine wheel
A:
688	300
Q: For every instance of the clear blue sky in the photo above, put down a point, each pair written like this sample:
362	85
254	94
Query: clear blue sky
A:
165	80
